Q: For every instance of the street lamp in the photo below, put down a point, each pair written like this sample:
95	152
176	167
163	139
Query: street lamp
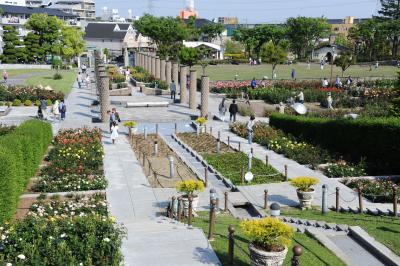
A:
332	56
213	194
275	209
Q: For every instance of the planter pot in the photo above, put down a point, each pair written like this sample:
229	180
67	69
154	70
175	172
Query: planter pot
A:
305	198
259	257
195	203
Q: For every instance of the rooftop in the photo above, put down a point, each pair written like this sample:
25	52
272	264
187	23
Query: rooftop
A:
11	9
107	30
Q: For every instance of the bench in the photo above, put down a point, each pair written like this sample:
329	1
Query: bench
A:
147	104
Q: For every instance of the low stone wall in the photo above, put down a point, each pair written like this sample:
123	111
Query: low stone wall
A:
152	91
121	92
23	66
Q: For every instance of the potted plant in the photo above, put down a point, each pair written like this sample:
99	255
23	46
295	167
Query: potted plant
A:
189	187
269	239
305	190
131	125
200	125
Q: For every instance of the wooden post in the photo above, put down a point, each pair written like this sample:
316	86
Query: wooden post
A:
211	130
266	159
231	246
297	251
171	214
242	175
239	146
205	177
360	201
144	159
212	220
265	199
156	130
286	172
190	214
179	214
337	199
176	128
226	201
229	143
395	201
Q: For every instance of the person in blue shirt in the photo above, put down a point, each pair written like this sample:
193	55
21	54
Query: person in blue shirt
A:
338	83
253	83
293	74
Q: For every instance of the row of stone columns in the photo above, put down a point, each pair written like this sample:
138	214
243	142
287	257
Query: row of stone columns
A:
102	86
171	71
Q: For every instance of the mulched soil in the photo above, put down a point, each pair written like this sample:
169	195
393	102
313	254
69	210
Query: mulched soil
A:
203	143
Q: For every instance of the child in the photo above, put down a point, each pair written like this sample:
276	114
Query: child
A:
114	132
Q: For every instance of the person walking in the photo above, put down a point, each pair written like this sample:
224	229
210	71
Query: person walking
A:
249	127
114	117
79	78
300	96
329	101
233	110
172	87
56	110
114	132
253	83
5	76
63	109
43	107
293	74
222	110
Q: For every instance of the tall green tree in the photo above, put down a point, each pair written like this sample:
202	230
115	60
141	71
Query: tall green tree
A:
189	56
304	33
267	33
274	54
246	37
13	50
34	51
344	61
232	47
390	16
212	30
167	33
72	42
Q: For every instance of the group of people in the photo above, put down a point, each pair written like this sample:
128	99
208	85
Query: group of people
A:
338	82
58	109
82	77
114	120
254	62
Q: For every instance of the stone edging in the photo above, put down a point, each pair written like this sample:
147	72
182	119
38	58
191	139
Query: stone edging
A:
313	223
65	193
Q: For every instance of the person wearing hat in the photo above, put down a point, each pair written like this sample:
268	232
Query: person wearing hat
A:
330	101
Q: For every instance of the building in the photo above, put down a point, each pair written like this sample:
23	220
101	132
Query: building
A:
215	51
189	11
341	27
85	10
13	2
327	52
117	38
228	20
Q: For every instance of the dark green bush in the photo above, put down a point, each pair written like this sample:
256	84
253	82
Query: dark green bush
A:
57	76
375	139
17	102
21	151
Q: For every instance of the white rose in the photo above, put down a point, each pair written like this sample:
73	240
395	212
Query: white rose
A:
21	256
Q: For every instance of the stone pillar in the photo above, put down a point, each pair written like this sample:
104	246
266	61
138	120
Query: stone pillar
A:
183	84
136	59
205	91
175	74
104	96
162	70
168	72
141	59
101	68
157	76
193	89
153	66
148	63
126	57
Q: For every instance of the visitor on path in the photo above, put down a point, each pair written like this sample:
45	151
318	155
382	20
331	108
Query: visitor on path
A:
114	132
233	110
349	81
249	127
222	109
250	61
5	76
253	83
56	110
127	74
325	83
87	81
338	82
308	65
322	64
114	117
329	101
39	113
376	65
84	68
79	79
172	87
300	96
43	106
247	99
293	74
264	82
63	109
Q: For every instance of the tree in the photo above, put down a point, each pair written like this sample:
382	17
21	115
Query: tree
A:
72	42
189	56
246	37
212	30
304	33
168	33
34	51
13	51
390	16
344	61
274	54
266	33
232	47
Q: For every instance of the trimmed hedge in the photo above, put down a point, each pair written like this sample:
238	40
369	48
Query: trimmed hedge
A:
375	139
21	152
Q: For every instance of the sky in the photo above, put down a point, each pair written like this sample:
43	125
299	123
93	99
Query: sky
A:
248	11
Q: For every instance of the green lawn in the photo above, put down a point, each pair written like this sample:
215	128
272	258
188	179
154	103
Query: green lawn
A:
384	229
230	164
246	72
16	72
64	85
313	253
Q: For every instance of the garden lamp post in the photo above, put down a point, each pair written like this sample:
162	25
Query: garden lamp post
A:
213	194
324	205
275	209
171	166
332	58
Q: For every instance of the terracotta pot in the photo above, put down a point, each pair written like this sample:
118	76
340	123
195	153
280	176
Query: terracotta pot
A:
259	257
305	198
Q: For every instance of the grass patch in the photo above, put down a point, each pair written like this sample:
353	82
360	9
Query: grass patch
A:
246	72
16	72
64	85
384	229
230	166
313	253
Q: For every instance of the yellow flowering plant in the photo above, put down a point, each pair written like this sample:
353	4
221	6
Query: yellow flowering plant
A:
201	121
269	234
130	124
190	186
304	183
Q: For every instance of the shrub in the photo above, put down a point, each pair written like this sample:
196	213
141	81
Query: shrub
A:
377	190
37	103
342	169
17	102
28	103
246	111
201	121
21	151
57	76
118	78
269	233
49	102
130	123
304	183
190	186
375	139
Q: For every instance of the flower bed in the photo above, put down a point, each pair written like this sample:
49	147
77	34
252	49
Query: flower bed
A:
22	93
70	182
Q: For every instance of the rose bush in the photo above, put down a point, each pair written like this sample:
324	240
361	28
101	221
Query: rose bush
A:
24	93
